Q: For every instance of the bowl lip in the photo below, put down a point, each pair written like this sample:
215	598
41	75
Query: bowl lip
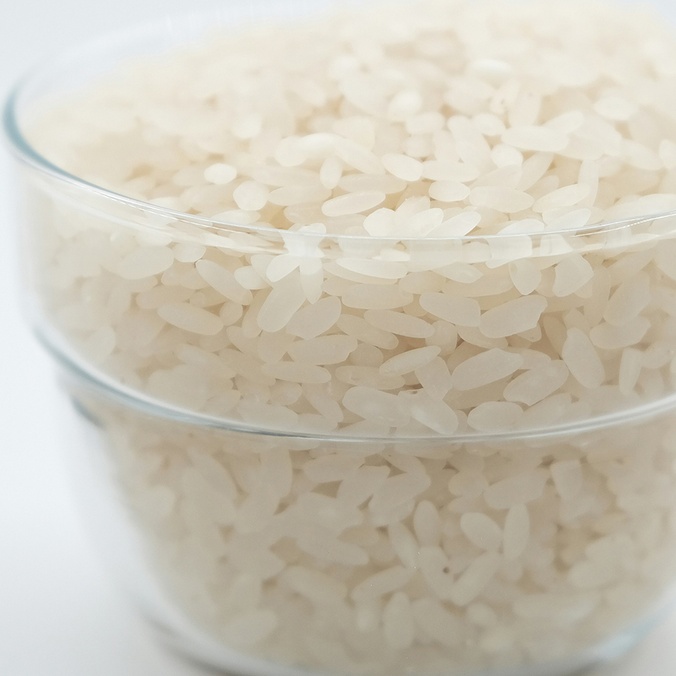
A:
85	376
27	154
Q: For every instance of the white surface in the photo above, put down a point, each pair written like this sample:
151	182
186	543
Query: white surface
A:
59	614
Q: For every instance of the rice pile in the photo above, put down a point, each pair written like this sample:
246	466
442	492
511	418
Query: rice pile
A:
449	219
389	558
362	157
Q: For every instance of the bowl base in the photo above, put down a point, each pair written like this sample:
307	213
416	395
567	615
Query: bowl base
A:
218	660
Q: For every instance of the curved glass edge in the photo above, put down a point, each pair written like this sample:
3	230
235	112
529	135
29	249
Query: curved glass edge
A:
179	30
193	646
103	385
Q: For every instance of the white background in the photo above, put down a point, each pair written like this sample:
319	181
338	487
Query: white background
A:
59	614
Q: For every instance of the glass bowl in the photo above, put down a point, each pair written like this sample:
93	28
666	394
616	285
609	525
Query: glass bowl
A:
306	451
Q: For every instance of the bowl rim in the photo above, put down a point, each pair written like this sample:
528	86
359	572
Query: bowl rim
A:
181	30
85	376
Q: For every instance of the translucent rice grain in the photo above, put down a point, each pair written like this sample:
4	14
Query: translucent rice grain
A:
398	490
190	318
512	317
314	319
516	490
435	378
399	323
567	196
471	146
570	275
372	404
448	191
434	414
402	166
485	368
489	124
368	376
567	218
427	524
380	223
611	337
323	350
352	203
331	172
457	226
220	173
404	544
506	156
423	223
481	530
628	300
409	361
289	152
631	365
188	253
525	275
223	281
404	104
281	304
250	196
453	309
475	578
357	156
248	278
582	359
516	533
537	384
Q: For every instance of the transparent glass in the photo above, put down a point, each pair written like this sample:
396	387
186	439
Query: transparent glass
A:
297	478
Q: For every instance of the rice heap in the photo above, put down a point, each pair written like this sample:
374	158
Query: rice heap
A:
448	219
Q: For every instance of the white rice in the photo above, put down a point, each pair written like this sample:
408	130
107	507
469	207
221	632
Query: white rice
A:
396	202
